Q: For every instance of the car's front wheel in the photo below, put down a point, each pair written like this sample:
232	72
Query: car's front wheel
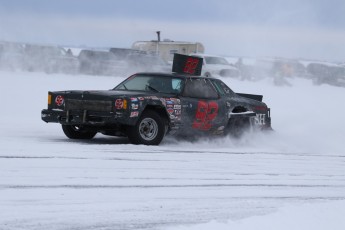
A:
149	130
77	132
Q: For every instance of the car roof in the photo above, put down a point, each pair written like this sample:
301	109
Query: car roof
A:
167	74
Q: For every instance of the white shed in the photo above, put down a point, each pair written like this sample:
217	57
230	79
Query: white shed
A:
166	48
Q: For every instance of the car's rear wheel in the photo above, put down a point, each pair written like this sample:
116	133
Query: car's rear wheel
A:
237	127
77	132
149	130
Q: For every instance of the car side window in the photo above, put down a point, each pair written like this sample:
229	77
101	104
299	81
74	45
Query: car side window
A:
199	88
176	84
218	87
222	88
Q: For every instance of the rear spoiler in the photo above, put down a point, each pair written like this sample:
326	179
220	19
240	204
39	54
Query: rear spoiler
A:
251	96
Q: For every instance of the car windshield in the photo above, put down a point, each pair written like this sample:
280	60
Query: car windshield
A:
216	61
152	83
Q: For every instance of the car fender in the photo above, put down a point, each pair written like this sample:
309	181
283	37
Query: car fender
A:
166	106
242	114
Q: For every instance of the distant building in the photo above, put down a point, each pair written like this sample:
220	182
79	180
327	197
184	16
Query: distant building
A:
166	48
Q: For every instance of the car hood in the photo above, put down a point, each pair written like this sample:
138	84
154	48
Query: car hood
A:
102	94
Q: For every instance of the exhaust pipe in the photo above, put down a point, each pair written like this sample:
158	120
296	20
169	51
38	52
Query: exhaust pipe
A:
158	36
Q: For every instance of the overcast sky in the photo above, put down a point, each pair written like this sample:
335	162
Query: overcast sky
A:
290	28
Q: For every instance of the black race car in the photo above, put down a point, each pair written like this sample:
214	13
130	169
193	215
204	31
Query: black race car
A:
147	106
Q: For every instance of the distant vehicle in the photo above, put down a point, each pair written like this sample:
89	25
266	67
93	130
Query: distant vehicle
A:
331	74
140	61
280	66
50	59
216	65
279	69
147	106
97	62
125	52
11	55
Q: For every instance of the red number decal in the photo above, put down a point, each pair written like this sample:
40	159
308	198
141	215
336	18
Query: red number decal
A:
200	116
212	113
191	65
205	114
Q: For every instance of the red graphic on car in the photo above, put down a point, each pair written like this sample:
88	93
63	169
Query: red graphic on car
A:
205	114
59	100
191	65
119	104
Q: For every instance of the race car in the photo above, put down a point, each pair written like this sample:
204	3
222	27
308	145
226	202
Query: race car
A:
147	106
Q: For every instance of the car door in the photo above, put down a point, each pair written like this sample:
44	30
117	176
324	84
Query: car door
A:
202	107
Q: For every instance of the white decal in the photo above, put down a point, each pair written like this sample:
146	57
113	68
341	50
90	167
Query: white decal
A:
177	112
260	119
135	106
134	114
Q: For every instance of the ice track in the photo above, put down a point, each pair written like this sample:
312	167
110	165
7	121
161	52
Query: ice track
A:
50	182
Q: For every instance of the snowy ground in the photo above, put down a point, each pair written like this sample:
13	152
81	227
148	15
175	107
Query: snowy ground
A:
293	178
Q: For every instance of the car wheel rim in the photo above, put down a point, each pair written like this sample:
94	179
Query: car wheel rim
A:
148	129
75	128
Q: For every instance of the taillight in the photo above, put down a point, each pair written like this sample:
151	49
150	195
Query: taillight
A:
261	108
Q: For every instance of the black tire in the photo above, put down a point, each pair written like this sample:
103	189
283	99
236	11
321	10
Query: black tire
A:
149	130
77	132
237	127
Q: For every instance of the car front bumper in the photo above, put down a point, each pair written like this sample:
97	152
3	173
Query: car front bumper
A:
83	117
